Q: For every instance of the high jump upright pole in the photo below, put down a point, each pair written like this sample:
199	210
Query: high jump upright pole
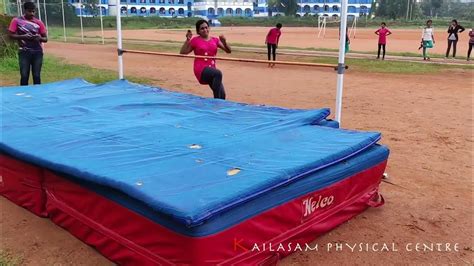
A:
101	21
64	21
39	8
119	39
341	66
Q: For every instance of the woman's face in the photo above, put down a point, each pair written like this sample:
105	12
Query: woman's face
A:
203	30
453	23
429	23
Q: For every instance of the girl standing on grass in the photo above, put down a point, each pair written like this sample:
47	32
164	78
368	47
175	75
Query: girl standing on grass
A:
427	39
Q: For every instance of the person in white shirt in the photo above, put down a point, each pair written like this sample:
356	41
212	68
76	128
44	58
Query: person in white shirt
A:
427	39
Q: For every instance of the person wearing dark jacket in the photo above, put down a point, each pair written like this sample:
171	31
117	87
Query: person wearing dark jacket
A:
453	31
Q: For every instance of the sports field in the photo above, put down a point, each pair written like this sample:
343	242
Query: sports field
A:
425	119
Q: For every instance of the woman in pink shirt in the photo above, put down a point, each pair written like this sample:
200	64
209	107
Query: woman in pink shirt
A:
383	32
471	43
272	39
205	68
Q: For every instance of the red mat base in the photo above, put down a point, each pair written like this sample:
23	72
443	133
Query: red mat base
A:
126	237
21	183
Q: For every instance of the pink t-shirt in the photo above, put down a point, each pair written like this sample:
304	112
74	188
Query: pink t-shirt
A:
22	26
204	48
273	36
383	35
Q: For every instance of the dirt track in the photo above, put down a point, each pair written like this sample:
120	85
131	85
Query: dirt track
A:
426	120
365	40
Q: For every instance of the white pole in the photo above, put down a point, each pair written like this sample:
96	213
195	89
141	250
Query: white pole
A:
39	8
18	8
64	21
45	14
101	22
355	26
119	40
80	18
341	66
324	33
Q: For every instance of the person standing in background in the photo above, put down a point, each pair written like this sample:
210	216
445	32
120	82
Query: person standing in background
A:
453	31
427	38
383	32
272	39
30	33
471	43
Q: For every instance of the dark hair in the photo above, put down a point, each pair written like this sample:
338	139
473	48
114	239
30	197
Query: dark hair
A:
455	21
383	23
278	25
199	23
429	20
29	6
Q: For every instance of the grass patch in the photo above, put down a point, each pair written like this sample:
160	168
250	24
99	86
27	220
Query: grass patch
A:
393	67
55	69
6	259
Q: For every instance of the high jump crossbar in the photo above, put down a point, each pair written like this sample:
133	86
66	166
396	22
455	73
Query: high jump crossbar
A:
246	60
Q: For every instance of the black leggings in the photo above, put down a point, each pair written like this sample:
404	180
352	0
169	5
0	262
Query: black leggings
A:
271	49
454	43
469	51
213	77
383	47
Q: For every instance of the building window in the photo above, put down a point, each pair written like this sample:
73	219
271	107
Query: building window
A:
142	1
133	10
238	11
123	9
170	1
326	8
335	8
181	2
316	8
220	11
152	10
142	10
171	11
161	1
181	11
229	11
133	1
306	9
162	11
210	11
248	12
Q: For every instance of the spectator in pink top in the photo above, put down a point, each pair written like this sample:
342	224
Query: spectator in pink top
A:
205	68
383	32
471	43
30	33
272	39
